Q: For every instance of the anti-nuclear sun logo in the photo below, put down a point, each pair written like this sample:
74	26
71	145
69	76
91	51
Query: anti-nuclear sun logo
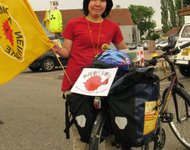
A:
94	83
12	39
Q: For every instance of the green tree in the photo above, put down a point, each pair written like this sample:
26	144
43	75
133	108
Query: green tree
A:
117	7
186	3
142	17
142	38
173	13
155	36
164	16
170	16
179	18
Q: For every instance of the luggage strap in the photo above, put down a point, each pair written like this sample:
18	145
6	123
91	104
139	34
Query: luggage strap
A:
68	123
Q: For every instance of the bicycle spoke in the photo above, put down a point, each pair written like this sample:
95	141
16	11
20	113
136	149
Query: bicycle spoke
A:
180	124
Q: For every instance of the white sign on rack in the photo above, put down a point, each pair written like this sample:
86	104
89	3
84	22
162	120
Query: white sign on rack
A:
136	55
94	82
54	5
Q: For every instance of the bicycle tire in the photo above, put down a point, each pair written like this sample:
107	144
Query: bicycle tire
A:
180	129
100	131
97	130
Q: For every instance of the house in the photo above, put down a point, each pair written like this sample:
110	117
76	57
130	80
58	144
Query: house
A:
185	11
174	30
120	16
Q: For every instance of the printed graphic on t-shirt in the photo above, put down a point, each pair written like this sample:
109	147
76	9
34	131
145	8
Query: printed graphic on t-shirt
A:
105	36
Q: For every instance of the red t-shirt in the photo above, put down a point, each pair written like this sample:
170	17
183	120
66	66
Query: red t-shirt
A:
82	51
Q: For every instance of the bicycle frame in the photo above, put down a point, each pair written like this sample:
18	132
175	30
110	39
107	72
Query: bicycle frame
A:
172	84
175	88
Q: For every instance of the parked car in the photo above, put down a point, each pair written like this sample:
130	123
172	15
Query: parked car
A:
145	45
161	44
140	44
131	45
182	59
172	39
48	60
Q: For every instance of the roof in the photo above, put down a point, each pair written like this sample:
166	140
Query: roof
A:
185	11
120	16
174	30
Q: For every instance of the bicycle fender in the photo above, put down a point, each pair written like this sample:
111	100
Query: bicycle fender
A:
184	94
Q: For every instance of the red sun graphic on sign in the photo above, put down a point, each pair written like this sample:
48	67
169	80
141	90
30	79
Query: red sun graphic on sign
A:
8	32
94	82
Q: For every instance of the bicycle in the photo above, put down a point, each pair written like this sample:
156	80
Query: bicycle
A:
176	116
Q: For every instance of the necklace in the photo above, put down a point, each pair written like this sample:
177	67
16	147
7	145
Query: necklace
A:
95	50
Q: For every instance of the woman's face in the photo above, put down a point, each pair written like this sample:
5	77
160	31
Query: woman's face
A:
97	7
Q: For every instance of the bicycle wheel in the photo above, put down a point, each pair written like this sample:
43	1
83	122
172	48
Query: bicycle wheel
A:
179	103
100	131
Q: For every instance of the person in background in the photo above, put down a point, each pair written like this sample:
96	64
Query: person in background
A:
84	38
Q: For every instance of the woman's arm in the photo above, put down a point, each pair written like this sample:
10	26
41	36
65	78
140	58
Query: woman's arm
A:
121	45
63	51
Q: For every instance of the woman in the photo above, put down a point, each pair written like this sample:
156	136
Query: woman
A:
87	36
84	38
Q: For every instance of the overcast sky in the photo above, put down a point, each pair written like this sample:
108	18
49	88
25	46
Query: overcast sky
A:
77	4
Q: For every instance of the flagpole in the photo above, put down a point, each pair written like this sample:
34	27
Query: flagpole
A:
45	16
62	67
52	9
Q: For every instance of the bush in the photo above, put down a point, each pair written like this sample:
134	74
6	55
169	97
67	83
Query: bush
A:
155	36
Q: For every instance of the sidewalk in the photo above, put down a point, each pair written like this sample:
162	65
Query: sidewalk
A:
148	55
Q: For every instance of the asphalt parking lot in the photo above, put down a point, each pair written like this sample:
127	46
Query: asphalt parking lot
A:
32	113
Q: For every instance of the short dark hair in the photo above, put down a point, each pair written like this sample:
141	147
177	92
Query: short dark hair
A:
106	12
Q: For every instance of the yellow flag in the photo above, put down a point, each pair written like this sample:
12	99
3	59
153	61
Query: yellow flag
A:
47	19
22	39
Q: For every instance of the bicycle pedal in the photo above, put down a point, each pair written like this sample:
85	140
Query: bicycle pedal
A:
166	117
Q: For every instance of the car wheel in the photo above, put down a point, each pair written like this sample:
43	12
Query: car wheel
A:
34	68
48	64
185	70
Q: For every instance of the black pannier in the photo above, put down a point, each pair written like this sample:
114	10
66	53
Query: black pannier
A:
82	113
133	104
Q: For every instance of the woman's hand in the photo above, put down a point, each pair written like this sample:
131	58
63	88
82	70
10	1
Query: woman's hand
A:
63	51
56	48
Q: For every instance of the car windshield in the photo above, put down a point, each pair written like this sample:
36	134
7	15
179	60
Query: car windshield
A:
186	32
164	42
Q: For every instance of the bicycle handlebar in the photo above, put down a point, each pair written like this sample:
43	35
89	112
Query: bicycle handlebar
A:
184	45
167	48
